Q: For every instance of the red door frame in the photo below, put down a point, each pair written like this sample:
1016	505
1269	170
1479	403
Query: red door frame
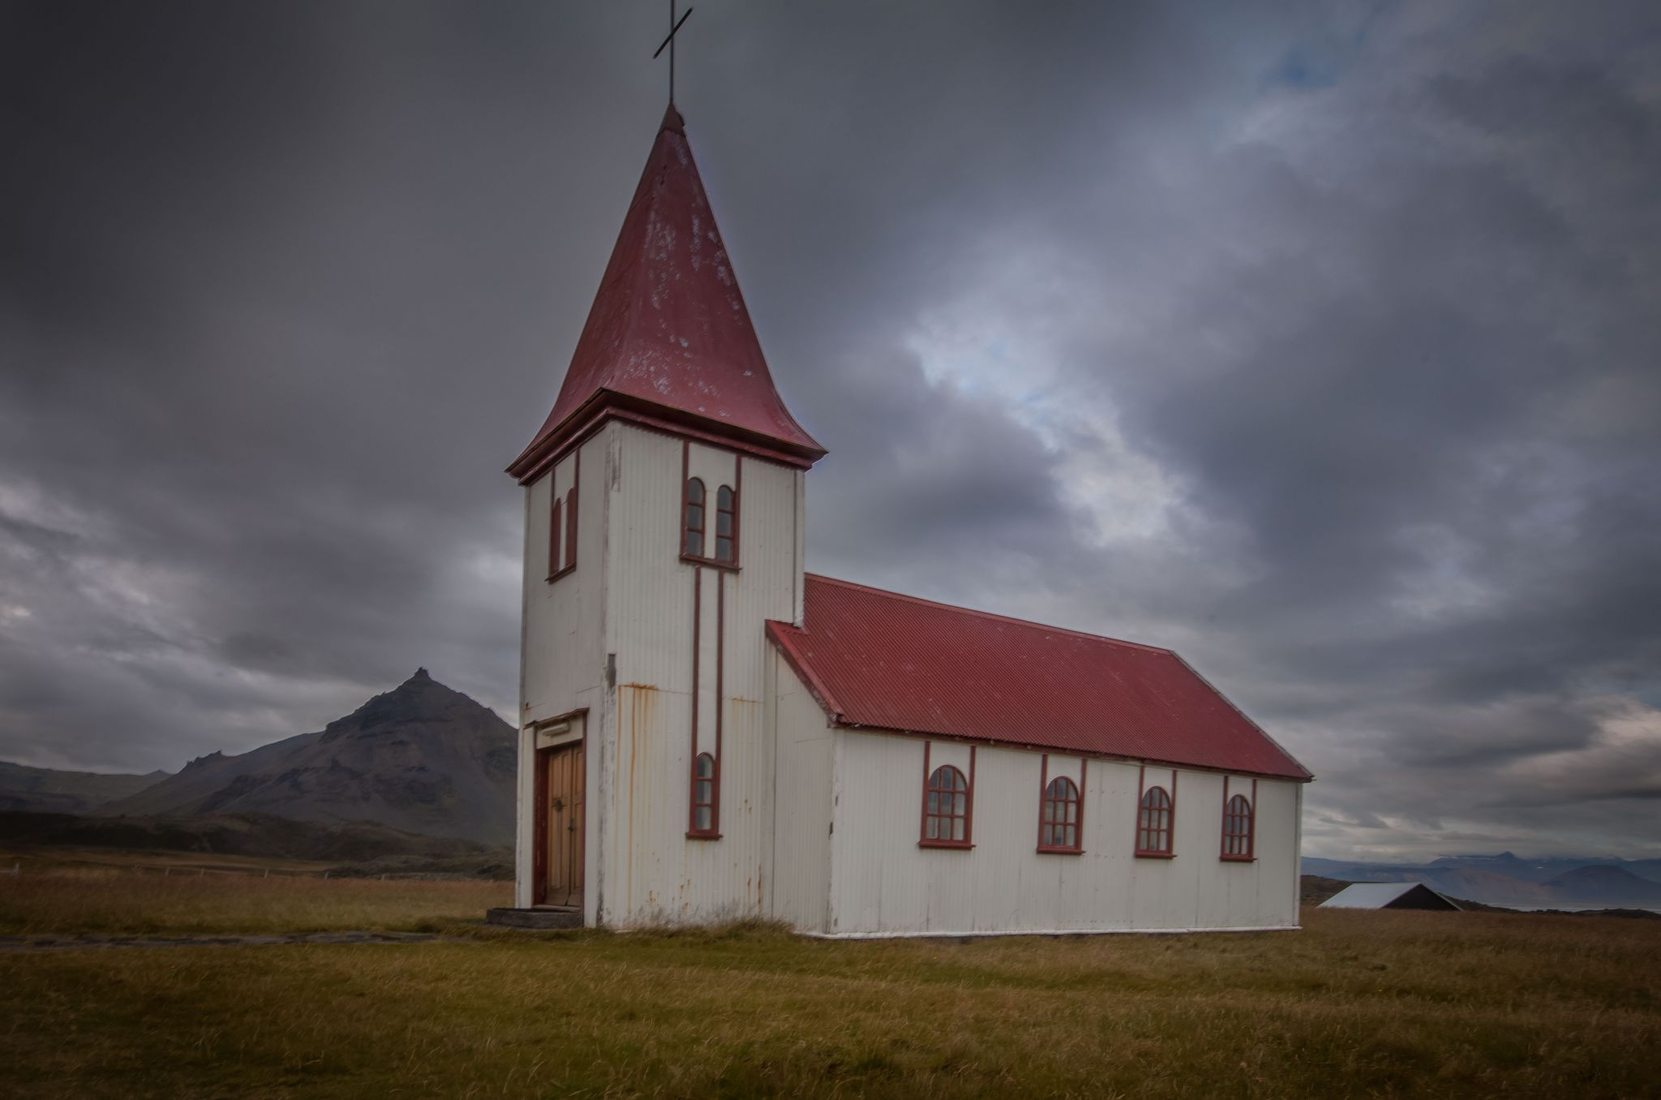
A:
539	818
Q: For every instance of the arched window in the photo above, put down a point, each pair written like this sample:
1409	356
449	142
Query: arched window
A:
562	535
692	525
562	520
726	525
1058	821
946	807
1237	828
1153	824
703	794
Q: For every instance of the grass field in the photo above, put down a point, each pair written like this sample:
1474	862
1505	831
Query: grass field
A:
1358	1004
107	900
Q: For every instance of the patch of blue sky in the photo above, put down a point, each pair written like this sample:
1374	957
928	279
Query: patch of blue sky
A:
1322	60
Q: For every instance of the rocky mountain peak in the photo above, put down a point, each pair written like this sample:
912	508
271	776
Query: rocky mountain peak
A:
422	758
202	761
418	700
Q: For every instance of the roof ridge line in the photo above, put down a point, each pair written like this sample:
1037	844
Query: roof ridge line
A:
994	616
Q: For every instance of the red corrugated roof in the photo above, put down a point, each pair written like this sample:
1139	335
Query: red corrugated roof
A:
895	662
668	337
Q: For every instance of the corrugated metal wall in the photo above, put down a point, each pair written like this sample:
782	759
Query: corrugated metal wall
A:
882	882
562	646
805	777
659	609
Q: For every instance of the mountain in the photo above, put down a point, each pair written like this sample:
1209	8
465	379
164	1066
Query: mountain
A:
1605	884
246	835
421	758
48	790
1510	881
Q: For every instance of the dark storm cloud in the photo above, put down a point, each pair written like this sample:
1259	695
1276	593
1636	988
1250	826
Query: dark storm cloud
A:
1316	341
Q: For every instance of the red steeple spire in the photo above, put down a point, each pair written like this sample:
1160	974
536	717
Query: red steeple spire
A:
668	340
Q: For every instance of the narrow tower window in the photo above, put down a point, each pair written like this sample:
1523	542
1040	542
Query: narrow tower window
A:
1058	823
946	808
1153	825
726	525
571	529
703	795
692	537
1237	828
555	530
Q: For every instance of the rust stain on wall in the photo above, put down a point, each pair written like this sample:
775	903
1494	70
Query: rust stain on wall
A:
640	700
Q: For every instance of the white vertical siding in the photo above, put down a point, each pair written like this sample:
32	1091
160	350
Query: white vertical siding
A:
562	655
803	791
654	872
883	882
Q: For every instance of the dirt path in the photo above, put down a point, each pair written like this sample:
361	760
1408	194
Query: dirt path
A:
65	943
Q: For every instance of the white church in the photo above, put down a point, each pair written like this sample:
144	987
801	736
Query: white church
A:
709	733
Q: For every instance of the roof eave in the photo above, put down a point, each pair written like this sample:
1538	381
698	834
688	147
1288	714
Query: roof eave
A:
1307	775
605	404
843	722
782	635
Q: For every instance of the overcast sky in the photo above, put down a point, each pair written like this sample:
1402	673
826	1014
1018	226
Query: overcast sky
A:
1320	342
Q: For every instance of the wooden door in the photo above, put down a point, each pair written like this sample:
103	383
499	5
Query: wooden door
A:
560	781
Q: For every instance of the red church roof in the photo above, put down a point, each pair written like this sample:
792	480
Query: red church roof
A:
668	339
893	662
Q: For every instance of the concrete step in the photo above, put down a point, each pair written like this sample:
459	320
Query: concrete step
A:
543	916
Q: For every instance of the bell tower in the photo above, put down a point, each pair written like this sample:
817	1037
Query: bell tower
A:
663	529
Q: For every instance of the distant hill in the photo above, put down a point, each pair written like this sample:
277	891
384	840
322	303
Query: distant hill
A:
1509	881
1606	884
240	835
421	758
1314	889
48	790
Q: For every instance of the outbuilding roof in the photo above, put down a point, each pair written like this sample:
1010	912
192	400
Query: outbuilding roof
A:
1385	895
886	661
668	339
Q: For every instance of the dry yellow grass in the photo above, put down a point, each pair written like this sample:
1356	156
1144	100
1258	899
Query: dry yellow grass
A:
1358	1004
128	901
55	859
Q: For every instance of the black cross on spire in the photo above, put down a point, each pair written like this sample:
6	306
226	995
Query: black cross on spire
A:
669	41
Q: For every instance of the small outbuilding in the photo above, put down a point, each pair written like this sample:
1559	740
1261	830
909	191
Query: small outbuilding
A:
1388	895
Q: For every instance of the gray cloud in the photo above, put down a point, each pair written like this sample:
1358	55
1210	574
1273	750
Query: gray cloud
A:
1315	341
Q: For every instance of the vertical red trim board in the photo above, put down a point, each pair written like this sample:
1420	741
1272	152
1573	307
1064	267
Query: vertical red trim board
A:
539	825
555	529
923	802
1043	793
720	669
571	510
1083	775
697	634
737	509
1141	789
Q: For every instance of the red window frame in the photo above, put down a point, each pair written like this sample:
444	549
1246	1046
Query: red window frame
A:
697	504
939	784
556	531
694	503
1155	822
562	523
1239	839
570	530
706	797
1060	810
726	518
